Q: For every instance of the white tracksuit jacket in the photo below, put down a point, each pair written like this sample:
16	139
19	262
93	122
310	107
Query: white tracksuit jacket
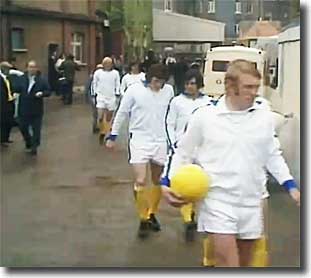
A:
178	114
146	110
106	84
130	79
234	148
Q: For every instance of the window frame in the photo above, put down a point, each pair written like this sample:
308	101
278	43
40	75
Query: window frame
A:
237	28
238	3
249	4
22	47
211	6
75	43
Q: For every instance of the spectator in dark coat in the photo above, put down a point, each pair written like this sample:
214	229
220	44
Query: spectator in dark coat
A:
32	88
7	103
69	68
181	68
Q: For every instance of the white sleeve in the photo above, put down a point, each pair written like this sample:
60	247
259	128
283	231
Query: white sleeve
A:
276	164
122	113
189	142
16	72
117	83
95	82
170	123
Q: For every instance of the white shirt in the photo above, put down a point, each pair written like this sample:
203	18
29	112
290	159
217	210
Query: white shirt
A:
146	110
130	79
233	147
178	114
32	82
106	84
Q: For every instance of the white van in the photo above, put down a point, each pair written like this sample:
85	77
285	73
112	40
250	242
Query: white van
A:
217	60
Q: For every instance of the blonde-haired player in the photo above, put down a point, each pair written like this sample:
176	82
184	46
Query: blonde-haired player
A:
178	114
145	104
235	143
106	85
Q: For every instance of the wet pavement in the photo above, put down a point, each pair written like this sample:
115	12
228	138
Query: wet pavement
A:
72	205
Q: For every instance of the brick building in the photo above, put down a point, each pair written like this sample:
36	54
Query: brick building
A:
33	29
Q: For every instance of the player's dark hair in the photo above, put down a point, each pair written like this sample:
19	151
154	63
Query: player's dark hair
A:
196	75
157	70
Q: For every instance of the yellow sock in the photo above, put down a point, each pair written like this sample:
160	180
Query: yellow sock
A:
260	253
186	212
141	200
107	127
102	126
208	253
155	194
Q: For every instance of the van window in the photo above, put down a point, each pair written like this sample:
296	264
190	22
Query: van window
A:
221	66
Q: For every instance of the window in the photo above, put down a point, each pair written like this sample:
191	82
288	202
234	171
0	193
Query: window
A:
78	47
238	7
211	7
221	66
17	39
168	5
249	8
236	29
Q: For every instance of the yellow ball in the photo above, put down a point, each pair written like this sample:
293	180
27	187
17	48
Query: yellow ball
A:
191	182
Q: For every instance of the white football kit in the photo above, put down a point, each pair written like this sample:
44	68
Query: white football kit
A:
146	111
129	79
106	85
234	148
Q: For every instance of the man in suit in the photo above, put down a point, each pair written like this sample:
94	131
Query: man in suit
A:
7	103
32	88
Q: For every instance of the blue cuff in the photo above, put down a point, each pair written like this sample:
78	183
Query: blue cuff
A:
289	184
112	137
165	181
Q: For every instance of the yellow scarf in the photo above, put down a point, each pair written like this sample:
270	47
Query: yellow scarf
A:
7	83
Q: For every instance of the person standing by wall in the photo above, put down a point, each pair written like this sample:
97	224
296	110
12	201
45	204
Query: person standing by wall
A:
69	68
60	74
32	88
7	103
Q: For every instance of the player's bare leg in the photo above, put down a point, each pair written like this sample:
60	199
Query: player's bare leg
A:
225	250
245	248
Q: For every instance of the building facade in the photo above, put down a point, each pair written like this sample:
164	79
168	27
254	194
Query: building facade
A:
232	12
38	30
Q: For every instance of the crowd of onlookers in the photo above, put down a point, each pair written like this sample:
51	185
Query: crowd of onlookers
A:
22	92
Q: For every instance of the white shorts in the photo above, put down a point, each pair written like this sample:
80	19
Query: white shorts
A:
223	218
143	153
109	104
